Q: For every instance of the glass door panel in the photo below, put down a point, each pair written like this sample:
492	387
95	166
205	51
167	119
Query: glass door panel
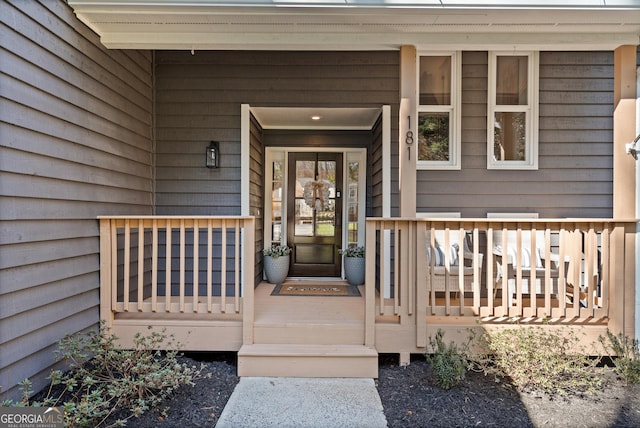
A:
315	213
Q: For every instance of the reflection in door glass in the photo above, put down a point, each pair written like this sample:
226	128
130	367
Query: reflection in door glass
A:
305	172
276	202
325	220
315	204
326	203
352	203
304	218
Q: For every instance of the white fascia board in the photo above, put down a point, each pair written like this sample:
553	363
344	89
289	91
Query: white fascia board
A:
361	24
368	41
388	4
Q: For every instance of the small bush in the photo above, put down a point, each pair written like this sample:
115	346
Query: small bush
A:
352	252
104	380
448	362
277	250
627	355
536	358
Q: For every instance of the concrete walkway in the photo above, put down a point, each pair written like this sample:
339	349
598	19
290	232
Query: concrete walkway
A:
303	402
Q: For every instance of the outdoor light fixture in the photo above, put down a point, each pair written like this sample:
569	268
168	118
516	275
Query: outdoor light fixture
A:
632	147
213	155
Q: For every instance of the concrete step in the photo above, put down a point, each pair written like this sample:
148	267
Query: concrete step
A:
305	360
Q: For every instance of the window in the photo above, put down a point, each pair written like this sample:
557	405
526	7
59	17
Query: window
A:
439	111
512	115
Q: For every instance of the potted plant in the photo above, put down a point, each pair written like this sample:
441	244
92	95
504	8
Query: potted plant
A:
276	263
354	264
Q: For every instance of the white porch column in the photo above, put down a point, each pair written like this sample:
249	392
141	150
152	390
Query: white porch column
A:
408	122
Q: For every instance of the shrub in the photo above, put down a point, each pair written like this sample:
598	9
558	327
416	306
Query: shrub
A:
352	252
276	251
536	358
627	355
104	380
448	362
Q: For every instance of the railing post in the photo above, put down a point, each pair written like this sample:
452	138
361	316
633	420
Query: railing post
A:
248	255
617	274
106	312
629	279
370	283
421	284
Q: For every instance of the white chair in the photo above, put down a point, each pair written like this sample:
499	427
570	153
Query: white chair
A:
528	259
445	253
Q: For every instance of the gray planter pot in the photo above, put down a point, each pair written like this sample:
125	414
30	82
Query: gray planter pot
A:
354	270
276	269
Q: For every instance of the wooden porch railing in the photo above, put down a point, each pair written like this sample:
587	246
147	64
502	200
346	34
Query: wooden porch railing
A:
176	265
420	272
577	271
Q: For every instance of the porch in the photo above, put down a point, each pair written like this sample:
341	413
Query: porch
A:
200	279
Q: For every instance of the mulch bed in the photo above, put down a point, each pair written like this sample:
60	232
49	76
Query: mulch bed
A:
411	400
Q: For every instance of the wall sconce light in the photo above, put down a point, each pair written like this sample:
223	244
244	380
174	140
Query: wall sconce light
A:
213	155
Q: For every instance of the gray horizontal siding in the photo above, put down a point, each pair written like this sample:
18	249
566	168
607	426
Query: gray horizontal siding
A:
76	143
575	175
199	97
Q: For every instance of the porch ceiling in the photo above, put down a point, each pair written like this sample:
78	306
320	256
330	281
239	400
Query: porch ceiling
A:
361	24
316	118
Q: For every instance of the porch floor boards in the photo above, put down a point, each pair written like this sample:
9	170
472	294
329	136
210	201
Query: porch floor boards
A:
306	309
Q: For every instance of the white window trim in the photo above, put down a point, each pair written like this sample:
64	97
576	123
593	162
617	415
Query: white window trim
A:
531	111
455	134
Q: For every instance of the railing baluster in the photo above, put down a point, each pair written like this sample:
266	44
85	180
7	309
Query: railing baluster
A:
506	298
547	270
209	266
127	264
591	274
606	267
196	264
396	267
223	269
140	265
447	268
477	280
563	265
491	279
577	270
432	264
182	263
167	280
154	265
519	281
114	265
533	265
461	279
237	267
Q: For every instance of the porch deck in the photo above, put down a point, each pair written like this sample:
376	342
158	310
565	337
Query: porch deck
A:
194	277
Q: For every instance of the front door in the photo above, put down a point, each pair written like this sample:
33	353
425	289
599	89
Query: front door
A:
314	213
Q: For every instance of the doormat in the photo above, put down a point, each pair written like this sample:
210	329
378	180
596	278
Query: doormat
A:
302	289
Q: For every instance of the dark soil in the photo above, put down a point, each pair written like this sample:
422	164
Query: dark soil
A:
410	399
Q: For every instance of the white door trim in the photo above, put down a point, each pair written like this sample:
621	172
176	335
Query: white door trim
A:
245	143
282	153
